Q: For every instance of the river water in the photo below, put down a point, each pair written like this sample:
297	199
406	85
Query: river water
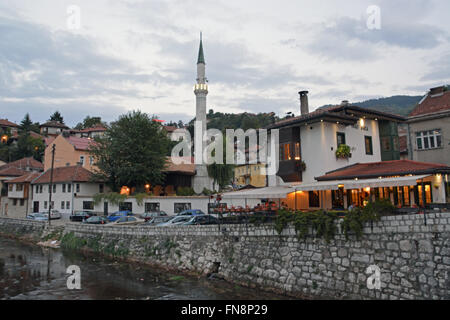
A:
29	272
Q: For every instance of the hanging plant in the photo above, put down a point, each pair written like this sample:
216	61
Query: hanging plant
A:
301	165
343	152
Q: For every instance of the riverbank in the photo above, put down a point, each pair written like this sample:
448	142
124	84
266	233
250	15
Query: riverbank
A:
413	258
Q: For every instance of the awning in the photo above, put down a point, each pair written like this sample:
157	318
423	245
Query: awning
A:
260	193
319	185
383	182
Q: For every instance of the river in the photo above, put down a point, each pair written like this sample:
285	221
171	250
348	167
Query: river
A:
29	272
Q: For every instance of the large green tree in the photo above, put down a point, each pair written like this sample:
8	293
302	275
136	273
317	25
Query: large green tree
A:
89	122
27	146
132	152
26	125
56	116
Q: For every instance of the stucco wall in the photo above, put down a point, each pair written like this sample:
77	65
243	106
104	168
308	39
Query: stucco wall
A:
440	155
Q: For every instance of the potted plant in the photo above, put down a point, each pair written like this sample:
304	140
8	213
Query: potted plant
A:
343	152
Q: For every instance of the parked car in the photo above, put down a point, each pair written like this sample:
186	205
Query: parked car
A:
202	220
116	215
149	215
96	220
157	220
55	214
191	212
175	221
39	216
81	215
127	220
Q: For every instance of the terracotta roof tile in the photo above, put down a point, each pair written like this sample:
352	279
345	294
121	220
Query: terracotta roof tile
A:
384	169
80	143
432	104
186	168
25	163
54	124
28	177
170	128
7	123
65	174
98	128
12	172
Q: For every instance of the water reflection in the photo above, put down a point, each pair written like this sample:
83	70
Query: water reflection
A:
31	272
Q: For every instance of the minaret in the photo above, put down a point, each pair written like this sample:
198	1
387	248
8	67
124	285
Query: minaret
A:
201	179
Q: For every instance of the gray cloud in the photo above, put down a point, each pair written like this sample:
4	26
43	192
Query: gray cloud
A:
439	69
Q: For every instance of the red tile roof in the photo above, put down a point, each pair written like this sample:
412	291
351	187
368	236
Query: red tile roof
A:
183	168
432	104
65	174
170	128
384	169
80	143
7	123
54	124
28	177
25	163
12	172
98	128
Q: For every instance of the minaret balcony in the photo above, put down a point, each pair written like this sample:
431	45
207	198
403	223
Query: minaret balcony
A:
201	87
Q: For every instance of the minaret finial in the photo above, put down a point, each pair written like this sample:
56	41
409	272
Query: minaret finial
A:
201	57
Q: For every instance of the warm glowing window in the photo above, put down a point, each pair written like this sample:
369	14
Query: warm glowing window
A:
297	151
285	152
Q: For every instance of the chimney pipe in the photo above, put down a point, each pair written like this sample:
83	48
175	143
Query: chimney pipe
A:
304	107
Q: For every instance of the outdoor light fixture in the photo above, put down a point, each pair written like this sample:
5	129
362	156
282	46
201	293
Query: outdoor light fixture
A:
361	122
4	138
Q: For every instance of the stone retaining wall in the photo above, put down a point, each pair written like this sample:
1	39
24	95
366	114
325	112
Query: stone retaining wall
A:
414	259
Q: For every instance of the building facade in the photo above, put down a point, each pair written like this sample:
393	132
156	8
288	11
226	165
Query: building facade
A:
429	128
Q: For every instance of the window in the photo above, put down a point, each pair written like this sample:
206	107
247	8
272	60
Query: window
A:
314	199
297	151
152	207
125	206
19	187
45	204
368	145
101	188
91	160
78	187
14	202
67	204
82	160
54	188
386	144
340	138
428	139
285	151
53	205
63	205
22	202
88	205
69	187
63	187
37	189
40	188
10	187
179	207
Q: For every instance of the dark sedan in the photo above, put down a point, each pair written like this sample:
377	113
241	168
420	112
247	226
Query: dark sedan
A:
81	216
96	220
202	220
156	220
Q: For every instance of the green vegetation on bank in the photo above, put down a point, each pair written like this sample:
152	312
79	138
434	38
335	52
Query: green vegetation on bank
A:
324	224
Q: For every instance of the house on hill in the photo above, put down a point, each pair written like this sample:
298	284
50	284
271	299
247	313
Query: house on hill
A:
69	151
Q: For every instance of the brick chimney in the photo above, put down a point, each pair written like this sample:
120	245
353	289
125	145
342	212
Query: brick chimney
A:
304	107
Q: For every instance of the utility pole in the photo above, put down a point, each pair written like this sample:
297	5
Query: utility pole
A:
51	185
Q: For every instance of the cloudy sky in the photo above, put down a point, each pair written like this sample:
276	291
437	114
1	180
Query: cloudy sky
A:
136	54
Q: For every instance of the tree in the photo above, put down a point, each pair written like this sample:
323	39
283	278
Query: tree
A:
222	174
26	123
132	152
27	146
56	116
89	122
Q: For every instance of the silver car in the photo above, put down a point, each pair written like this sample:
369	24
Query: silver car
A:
175	221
